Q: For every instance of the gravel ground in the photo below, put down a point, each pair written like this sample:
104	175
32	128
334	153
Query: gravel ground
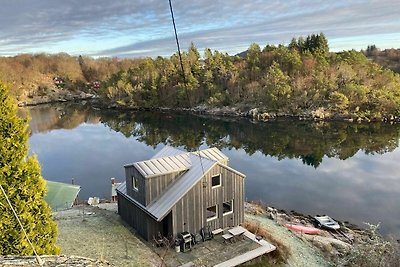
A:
302	253
100	234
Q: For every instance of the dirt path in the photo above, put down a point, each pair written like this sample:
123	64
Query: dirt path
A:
302	253
100	234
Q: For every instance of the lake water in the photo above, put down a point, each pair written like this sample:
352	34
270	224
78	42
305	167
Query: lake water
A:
349	171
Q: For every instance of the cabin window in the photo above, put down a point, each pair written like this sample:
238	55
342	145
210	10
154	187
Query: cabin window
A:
212	213
216	180
227	207
135	183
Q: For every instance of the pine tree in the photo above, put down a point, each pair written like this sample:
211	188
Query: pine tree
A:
25	188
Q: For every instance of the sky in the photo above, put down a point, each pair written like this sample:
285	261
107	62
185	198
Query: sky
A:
142	28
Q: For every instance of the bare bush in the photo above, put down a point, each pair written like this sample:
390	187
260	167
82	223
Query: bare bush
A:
372	250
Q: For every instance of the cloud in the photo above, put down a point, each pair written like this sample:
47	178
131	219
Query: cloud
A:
143	28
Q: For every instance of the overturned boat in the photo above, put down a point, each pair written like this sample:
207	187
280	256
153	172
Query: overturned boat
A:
326	222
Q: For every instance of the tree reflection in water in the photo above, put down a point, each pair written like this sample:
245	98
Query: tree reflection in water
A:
305	140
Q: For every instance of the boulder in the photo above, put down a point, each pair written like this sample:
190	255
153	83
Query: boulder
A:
264	116
253	113
319	114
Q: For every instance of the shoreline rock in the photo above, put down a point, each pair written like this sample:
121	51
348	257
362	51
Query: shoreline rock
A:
50	261
59	99
255	114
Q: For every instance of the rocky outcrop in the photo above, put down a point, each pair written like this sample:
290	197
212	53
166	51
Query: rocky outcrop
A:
34	101
51	261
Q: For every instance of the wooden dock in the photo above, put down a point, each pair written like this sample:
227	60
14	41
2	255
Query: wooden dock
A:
248	256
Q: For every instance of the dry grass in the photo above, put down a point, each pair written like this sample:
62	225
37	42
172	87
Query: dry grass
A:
282	252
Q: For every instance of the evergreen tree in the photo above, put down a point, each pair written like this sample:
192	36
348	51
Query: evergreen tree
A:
293	44
25	188
301	44
253	61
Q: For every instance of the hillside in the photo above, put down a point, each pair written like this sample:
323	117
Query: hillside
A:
388	58
300	79
296	80
44	77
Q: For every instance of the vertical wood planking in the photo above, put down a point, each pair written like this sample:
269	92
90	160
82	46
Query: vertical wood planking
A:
189	213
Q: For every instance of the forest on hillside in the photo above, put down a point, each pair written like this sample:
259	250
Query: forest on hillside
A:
294	79
388	58
28	74
303	76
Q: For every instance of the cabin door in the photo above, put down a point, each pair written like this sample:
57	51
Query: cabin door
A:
167	225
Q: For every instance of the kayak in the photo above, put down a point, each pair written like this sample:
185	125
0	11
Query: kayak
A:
303	229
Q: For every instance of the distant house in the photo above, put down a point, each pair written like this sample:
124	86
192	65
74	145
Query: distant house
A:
177	191
95	85
58	81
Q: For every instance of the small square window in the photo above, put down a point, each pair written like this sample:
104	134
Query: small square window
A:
227	207
135	183
212	213
216	180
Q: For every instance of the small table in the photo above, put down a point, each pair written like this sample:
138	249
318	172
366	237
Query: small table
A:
237	231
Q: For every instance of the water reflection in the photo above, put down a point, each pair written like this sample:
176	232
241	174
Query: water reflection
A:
347	170
307	141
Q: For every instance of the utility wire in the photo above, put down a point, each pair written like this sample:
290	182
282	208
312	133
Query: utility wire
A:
38	259
183	72
179	52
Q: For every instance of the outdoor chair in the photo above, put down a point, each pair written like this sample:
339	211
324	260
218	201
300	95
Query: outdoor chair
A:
206	233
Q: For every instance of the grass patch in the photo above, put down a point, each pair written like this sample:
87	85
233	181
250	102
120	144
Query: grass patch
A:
278	256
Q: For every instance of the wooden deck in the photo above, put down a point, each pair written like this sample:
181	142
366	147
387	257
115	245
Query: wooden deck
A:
265	248
218	252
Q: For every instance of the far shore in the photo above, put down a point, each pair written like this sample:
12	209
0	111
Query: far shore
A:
256	114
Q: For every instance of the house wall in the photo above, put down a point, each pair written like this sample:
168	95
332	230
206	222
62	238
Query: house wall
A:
138	195
156	185
149	188
189	214
144	225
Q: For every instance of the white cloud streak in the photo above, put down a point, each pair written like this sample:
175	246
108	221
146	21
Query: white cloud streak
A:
127	28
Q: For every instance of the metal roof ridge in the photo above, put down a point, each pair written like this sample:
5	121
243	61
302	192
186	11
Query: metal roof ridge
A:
232	169
178	182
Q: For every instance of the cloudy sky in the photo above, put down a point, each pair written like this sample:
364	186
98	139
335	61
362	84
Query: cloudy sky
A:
127	28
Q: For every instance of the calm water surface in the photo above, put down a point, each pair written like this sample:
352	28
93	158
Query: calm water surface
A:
349	171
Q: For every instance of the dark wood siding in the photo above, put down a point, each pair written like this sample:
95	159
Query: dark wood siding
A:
134	216
189	214
149	188
138	195
156	185
145	226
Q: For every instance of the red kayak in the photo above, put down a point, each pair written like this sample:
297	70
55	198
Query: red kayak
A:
303	229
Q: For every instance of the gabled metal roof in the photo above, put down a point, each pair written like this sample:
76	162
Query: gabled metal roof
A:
213	153
165	165
170	159
168	151
161	206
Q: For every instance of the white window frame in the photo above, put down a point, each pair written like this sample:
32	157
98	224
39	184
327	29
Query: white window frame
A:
216	213
220	181
228	212
135	183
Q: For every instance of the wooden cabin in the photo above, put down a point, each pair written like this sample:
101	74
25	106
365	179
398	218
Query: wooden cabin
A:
177	191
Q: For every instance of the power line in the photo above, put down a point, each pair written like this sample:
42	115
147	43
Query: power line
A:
183	72
38	259
179	52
